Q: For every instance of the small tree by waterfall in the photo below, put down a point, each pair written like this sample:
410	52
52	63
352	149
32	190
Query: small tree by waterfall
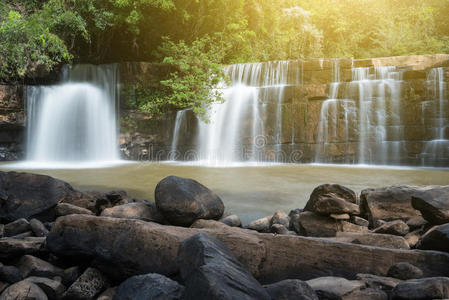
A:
193	82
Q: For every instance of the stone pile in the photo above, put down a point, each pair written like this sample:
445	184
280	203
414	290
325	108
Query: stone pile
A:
59	243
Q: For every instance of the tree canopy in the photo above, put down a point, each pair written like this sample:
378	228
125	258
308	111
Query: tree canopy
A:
41	34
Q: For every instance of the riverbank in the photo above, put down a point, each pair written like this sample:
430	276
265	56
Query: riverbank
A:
251	192
59	242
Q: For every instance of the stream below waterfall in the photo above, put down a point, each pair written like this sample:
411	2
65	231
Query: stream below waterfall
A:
250	192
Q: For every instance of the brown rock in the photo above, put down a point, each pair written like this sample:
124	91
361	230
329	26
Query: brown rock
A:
334	191
433	203
311	224
388	203
130	246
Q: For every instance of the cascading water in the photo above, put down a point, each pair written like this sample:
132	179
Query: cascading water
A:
435	118
371	116
74	122
367	110
237	129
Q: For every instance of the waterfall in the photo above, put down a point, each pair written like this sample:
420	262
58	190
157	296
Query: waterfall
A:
242	128
275	112
435	118
368	110
74	121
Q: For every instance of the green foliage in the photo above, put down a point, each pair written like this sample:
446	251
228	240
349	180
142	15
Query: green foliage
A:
28	47
194	83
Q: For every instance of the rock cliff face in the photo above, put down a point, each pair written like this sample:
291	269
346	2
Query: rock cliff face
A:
12	122
146	137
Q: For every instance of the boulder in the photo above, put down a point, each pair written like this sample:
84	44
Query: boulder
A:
379	282
436	238
210	270
311	224
280	217
25	195
128	244
17	227
38	228
291	289
397	227
335	191
182	201
23	290
52	288
334	287
374	239
90	284
33	266
433	203
422	289
404	271
145	211
134	247
326	206
149	286
388	203
260	225
232	220
10	274
64	209
11	247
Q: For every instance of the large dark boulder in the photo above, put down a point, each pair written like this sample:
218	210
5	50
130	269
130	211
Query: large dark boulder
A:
183	200
422	289
211	271
291	289
433	203
338	199
388	203
25	195
149	286
436	238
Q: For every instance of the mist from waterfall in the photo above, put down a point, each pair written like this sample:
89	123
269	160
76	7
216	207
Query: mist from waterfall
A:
74	122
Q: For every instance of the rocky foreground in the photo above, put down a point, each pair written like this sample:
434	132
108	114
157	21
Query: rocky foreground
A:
60	243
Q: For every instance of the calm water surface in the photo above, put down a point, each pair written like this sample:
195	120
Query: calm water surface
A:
250	192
